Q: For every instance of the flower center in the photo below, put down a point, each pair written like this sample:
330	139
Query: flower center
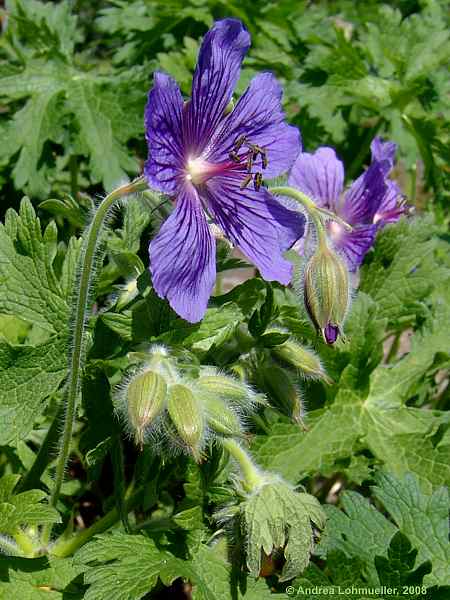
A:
241	160
198	170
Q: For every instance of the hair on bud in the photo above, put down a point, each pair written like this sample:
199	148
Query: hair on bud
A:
221	418
303	359
286	394
229	388
326	292
187	416
141	400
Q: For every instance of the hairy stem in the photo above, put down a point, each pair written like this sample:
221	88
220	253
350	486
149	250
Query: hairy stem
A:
317	213
78	337
251	473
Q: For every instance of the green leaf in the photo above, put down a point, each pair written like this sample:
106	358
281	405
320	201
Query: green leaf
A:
422	518
67	104
216	326
402	271
28	376
108	160
120	566
29	288
369	410
25	509
126	567
43	26
276	517
397	569
362	531
38	579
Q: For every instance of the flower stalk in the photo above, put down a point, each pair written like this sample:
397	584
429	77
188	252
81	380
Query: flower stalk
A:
252	476
314	212
66	547
77	339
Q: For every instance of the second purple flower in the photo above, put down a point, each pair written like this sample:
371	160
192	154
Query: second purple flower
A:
371	201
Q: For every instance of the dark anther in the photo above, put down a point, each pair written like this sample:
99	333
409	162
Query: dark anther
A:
264	158
257	181
239	142
249	163
234	157
246	181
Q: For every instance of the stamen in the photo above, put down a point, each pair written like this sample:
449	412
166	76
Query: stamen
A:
246	181
257	181
249	157
234	157
264	158
239	142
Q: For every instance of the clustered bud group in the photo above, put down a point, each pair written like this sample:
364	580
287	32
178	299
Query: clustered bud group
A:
159	403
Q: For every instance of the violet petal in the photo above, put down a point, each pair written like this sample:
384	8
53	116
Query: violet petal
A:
182	258
383	153
255	222
259	117
363	199
319	175
390	209
163	131
354	245
331	333
215	77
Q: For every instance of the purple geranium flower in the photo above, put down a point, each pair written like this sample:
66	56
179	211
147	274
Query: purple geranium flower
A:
211	160
371	201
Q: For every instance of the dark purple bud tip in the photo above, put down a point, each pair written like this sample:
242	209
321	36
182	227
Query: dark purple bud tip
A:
330	333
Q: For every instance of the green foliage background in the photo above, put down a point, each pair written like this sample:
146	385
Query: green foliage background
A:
73	83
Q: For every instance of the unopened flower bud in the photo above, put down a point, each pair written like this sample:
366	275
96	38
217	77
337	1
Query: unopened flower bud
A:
279	385
303	359
146	398
228	388
221	418
184	411
326	292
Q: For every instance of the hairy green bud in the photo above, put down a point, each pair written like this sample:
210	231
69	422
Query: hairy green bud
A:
225	387
327	292
146	399
301	358
280	386
221	418
187	417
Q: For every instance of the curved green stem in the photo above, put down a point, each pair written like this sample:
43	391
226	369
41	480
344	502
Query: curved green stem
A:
315	212
78	337
67	547
251	473
308	204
